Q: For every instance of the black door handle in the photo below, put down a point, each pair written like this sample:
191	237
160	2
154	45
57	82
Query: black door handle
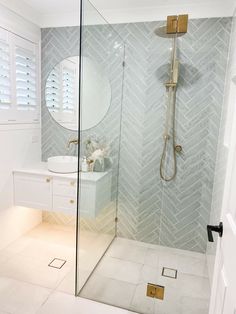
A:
218	229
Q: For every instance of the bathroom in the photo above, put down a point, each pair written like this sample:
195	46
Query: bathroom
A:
117	131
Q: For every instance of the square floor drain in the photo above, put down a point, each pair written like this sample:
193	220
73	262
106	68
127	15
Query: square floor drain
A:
169	272
57	263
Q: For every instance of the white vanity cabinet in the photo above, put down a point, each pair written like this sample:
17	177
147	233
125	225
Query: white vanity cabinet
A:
94	195
38	188
32	191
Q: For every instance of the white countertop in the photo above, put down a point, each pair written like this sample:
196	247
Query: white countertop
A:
41	169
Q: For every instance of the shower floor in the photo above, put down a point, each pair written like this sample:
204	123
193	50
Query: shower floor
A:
122	275
27	282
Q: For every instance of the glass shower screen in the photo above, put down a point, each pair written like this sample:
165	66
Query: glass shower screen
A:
101	84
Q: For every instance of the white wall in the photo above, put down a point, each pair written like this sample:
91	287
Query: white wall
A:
20	145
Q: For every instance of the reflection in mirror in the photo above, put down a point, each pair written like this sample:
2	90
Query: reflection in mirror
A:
62	93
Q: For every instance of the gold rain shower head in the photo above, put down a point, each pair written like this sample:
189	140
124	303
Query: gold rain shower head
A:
177	24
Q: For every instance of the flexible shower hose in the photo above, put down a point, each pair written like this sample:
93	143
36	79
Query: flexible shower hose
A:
170	124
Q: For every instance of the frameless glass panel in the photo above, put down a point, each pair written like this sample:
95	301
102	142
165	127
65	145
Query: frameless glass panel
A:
101	78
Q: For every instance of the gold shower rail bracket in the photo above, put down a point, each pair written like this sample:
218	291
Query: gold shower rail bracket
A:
177	24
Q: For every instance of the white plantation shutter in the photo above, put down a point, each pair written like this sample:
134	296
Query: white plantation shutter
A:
25	67
5	85
53	90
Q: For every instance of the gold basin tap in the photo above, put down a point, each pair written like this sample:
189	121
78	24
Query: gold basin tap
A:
74	141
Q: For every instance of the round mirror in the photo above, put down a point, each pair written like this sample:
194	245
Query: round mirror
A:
62	93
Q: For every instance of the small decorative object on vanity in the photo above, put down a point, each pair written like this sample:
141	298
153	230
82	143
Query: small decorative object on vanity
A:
98	160
84	164
97	152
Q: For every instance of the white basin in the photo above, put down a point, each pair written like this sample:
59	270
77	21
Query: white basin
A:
63	164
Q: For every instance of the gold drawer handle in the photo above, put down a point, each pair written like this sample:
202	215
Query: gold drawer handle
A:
72	201
48	180
72	183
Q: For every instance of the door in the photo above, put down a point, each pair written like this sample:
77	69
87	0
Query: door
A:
223	300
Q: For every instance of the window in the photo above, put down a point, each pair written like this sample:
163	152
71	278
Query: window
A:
19	94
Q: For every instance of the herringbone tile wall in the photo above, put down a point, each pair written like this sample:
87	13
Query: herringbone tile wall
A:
176	213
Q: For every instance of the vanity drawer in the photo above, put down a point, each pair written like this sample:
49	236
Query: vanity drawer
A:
65	187
33	191
64	204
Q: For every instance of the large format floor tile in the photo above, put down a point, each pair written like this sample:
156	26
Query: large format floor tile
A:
109	291
17	297
119	269
34	271
60	303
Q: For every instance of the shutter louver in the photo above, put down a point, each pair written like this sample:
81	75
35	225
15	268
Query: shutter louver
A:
5	86
25	64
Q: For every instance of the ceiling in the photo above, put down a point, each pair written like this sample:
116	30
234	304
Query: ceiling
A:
46	13
51	6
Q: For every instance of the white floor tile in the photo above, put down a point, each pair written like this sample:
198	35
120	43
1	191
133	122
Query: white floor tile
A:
192	265
110	291
34	271
21	298
128	251
118	269
167	259
194	305
170	304
40	249
194	286
149	274
152	257
67	285
61	303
